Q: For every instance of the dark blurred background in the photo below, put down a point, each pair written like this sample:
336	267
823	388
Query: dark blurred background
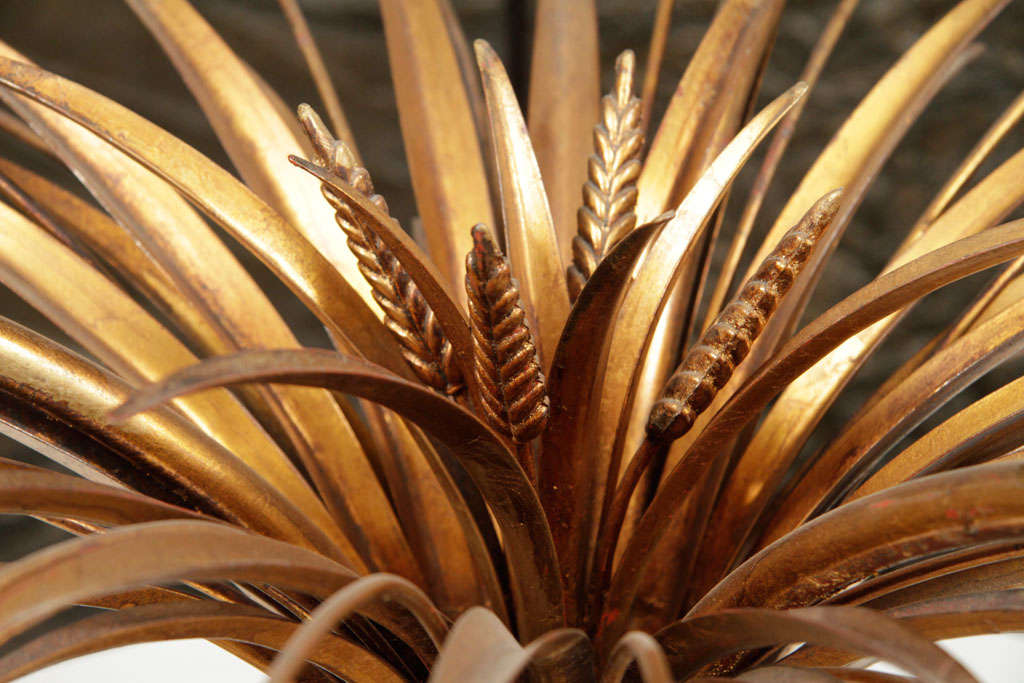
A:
102	45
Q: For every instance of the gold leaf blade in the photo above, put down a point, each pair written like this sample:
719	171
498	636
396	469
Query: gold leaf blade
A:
110	325
992	137
160	454
513	502
921	522
655	53
568	477
530	238
29	490
162	552
866	306
699	640
441	144
984	430
191	619
221	309
860	447
565	88
255	135
358	594
776	149
223	198
732	48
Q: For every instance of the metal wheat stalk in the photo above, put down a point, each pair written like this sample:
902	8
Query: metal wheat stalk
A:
510	463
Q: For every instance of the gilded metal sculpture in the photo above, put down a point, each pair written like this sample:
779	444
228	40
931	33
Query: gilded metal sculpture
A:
512	463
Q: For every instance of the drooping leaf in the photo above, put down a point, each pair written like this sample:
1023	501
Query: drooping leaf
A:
510	496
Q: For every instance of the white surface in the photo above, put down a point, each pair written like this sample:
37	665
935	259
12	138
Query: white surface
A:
195	661
993	659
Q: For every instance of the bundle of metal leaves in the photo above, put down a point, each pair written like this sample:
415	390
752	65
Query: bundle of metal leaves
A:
514	461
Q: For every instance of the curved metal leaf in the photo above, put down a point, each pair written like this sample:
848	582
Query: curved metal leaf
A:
533	567
191	619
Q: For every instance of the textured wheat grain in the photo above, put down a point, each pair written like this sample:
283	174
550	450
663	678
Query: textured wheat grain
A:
512	390
409	318
708	365
609	195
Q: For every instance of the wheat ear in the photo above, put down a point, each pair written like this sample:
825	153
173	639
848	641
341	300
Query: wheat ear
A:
513	395
709	364
424	346
609	195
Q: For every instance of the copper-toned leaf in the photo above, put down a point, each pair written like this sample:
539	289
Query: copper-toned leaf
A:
934	522
780	141
530	239
252	131
563	104
701	640
714	90
160	454
873	302
655	53
512	500
988	428
34	491
645	651
224	199
367	590
220	309
441	143
860	448
191	619
568	476
109	324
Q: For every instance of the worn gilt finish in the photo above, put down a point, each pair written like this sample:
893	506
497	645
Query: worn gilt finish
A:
510	463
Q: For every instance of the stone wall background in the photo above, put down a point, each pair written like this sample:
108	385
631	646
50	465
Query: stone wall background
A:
100	44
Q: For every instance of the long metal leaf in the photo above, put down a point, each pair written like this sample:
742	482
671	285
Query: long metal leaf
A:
700	640
873	302
533	567
531	242
310	276
191	619
160	454
984	430
565	89
220	309
441	143
860	447
256	137
341	605
920	522
568	476
40	585
110	325
736	39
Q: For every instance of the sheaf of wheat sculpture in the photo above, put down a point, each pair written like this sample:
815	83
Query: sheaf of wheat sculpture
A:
547	443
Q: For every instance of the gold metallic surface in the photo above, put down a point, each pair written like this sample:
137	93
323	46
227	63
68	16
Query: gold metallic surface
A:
508	469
